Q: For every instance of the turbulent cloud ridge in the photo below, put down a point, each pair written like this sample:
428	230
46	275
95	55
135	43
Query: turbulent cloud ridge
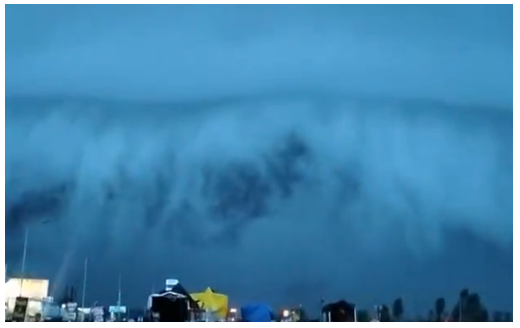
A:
429	168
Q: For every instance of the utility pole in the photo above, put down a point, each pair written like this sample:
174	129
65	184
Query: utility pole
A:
24	258
85	270
119	299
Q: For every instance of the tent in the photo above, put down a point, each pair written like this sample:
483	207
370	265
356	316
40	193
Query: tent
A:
341	311
257	313
212	301
173	304
177	292
169	307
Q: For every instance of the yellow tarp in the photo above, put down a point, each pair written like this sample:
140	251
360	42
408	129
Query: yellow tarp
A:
212	301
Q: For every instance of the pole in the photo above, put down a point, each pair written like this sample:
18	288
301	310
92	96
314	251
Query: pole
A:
119	299
24	258
322	302
460	309
83	294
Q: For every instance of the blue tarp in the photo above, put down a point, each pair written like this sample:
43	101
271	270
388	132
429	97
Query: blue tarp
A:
256	313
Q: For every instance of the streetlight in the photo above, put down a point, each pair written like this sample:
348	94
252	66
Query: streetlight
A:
24	258
24	255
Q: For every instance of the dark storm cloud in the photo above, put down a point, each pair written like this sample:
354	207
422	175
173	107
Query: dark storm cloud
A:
280	147
457	53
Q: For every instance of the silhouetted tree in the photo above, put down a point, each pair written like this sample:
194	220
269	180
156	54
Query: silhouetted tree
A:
431	315
420	318
440	305
385	315
508	317
474	310
459	311
484	315
398	309
363	316
497	316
